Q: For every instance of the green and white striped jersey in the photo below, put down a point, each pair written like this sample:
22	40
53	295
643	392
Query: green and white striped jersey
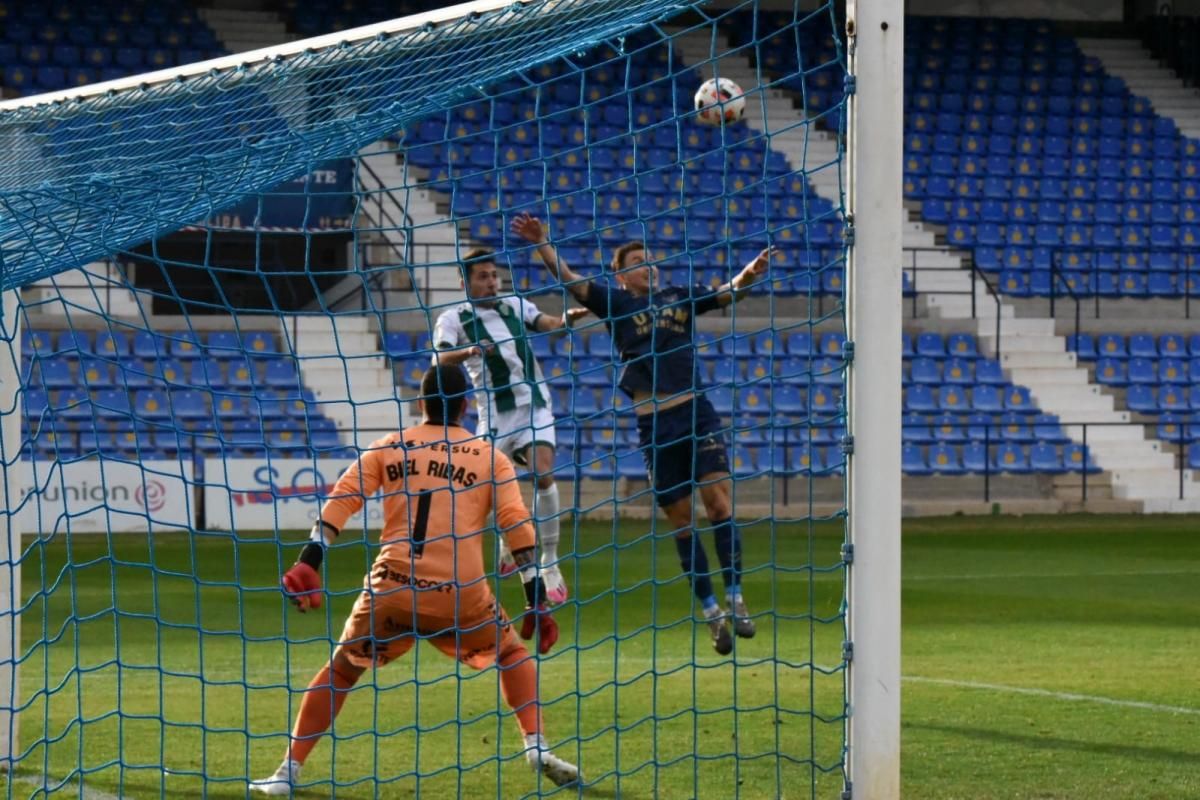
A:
510	375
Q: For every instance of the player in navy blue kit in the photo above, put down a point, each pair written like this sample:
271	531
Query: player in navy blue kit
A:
681	436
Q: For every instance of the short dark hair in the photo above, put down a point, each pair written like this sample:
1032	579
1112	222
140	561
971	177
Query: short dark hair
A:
477	255
618	259
444	393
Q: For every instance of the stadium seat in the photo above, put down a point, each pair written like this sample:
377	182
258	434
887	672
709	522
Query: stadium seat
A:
948	428
1173	371
183	345
1073	460
281	372
189	403
149	345
1045	458
944	460
259	343
986	398
915	429
112	403
912	460
926	370
224	345
1142	398
112	344
1111	372
975	458
205	373
152	404
95	373
53	373
1011	458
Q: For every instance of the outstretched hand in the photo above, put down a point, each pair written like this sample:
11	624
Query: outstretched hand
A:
302	585
759	265
574	314
528	227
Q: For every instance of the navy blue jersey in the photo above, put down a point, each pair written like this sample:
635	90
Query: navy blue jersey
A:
653	334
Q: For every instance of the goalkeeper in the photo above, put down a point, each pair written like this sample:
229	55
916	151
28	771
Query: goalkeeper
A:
439	484
679	432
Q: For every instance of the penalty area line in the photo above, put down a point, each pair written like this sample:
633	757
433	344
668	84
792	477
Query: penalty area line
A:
1066	696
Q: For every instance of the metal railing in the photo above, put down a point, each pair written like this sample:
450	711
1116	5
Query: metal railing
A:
976	275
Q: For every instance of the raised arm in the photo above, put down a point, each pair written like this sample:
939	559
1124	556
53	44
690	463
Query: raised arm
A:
457	355
530	228
546	323
737	288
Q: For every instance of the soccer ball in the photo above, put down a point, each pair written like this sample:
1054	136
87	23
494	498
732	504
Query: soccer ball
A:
720	100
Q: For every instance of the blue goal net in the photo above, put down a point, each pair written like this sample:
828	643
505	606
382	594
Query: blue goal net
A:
224	286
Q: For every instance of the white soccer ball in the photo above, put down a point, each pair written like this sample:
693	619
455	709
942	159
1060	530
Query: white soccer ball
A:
720	100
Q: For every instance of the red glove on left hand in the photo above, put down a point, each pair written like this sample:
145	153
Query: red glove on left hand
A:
302	585
547	628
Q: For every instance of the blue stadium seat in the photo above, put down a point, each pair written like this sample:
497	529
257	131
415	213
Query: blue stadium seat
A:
96	373
169	370
1143	345
926	370
1111	372
229	406
1015	427
152	404
1073	459
54	373
596	464
224	344
149	345
944	460
1173	371
112	344
953	399
183	345
1143	370
1046	428
988	371
112	403
930	345
397	344
1045	458
915	429
1111	345
241	374
958	371
948	428
189	403
1142	399
1172	397
1084	346
206	372
281	372
986	398
259	343
1011	458
961	345
912	460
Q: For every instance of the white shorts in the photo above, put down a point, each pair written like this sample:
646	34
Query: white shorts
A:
512	432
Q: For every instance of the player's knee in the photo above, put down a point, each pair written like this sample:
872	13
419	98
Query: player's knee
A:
719	509
544	480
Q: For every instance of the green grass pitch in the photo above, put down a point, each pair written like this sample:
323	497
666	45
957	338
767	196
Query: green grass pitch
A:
1043	658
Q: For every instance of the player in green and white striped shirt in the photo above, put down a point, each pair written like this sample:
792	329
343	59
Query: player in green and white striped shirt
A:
489	335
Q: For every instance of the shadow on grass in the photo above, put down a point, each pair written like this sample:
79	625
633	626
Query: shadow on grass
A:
1037	742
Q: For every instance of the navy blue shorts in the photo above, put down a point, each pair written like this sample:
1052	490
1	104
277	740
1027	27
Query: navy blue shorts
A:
680	445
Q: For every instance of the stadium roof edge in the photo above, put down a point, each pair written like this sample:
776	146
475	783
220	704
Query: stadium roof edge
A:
250	57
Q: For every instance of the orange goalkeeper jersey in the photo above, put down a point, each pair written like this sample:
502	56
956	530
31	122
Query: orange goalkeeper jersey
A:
438	484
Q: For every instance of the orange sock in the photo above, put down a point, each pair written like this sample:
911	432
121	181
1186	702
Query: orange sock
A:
320	705
518	683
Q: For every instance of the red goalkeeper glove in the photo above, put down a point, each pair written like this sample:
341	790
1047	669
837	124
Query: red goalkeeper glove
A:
302	585
539	619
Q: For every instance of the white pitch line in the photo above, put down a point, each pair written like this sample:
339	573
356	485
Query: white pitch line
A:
994	576
1068	696
45	783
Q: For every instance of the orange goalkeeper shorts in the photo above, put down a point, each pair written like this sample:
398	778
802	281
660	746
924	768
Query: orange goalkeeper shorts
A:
389	617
